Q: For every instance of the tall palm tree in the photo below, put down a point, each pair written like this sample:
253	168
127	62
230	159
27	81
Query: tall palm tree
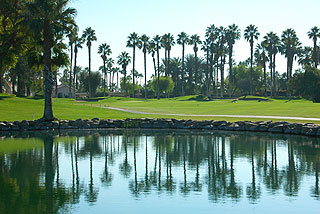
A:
195	41
206	48
314	34
157	42
183	39
305	57
110	63
290	47
261	59
233	33
77	45
145	47
222	50
72	37
53	18
211	36
133	42
105	50
89	35
152	50
123	60
250	34
272	42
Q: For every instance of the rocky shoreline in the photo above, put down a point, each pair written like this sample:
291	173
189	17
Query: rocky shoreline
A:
283	127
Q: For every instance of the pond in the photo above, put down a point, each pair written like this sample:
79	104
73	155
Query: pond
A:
158	171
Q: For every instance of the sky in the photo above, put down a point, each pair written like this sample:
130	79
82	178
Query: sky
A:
114	20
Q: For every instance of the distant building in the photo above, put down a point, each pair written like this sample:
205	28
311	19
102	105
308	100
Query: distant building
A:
63	91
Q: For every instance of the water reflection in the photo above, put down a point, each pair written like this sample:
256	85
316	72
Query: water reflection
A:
72	167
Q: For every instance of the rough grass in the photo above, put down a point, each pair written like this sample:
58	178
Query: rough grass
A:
14	108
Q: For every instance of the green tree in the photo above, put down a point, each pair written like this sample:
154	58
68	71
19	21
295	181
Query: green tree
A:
305	57
314	34
211	37
232	34
133	42
89	35
183	39
206	48
49	19
195	41
94	79
167	41
105	51
166	85
123	60
250	34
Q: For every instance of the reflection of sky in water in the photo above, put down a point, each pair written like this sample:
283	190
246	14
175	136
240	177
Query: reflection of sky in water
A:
188	193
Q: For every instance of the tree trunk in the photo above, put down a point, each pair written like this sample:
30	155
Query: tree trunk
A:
70	78
104	77
196	71
207	75
265	76
158	81
75	70
89	50
1	85
145	74
133	59
251	62
48	80
182	72
230	69
274	73
222	76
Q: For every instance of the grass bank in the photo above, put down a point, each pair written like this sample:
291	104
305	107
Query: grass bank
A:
15	108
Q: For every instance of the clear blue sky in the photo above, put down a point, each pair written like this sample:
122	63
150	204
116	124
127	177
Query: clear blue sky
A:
113	21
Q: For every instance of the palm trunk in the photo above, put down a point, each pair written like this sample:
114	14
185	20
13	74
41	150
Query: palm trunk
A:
117	79
74	69
182	72
207	75
89	50
104	77
222	76
1	77
145	74
230	69
158	87
265	76
196	71
315	52
271	75
70	78
274	73
251	62
125	82
134	57
48	80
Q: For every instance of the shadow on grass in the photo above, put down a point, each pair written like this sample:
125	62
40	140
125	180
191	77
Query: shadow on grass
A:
2	97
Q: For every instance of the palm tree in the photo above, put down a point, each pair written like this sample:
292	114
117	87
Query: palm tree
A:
133	42
110	63
157	42
53	19
77	45
272	42
290	47
105	50
222	50
195	41
183	39
167	41
206	48
261	58
89	35
314	34
305	57
152	50
250	34
123	60
145	47
72	37
232	34
211	36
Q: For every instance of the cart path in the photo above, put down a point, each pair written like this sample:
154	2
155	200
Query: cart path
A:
217	115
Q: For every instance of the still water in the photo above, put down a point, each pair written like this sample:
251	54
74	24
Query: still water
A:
159	172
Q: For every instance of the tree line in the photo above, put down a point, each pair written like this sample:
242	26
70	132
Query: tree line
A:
33	50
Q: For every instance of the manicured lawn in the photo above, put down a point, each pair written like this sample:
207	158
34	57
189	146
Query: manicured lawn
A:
14	108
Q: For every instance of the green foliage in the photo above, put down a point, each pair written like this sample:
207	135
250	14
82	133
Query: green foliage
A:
242	79
84	81
306	83
166	85
128	86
